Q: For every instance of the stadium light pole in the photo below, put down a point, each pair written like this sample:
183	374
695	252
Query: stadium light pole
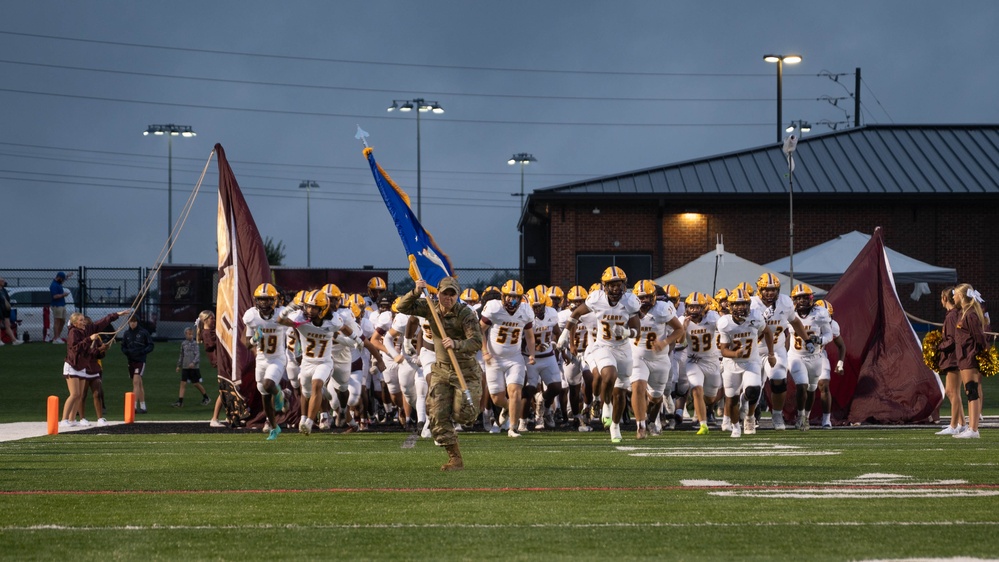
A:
523	159
308	186
781	60
789	147
422	106
171	131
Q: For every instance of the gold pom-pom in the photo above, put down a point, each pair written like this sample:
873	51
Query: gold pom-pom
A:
988	361
931	355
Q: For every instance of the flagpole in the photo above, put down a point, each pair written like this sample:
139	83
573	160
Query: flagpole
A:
440	328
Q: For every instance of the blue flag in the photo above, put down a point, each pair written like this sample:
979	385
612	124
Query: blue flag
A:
426	260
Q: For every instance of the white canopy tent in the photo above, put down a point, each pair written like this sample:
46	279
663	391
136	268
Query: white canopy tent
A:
699	275
827	262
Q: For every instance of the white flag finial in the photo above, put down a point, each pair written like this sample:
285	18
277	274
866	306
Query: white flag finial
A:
362	136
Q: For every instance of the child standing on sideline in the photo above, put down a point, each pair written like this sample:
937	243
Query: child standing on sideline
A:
189	366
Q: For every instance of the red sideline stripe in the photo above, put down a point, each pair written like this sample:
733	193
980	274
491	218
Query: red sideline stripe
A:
526	489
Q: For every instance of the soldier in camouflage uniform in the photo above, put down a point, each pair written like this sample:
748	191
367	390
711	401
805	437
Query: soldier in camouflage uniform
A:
446	403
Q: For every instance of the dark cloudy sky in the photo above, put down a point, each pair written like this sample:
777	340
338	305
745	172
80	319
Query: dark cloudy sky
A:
590	88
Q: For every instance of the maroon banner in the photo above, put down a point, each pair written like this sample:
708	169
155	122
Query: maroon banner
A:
242	266
885	379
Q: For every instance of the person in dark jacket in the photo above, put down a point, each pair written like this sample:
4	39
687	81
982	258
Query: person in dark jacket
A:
136	343
79	339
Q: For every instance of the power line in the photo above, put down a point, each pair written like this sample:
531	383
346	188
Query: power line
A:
395	90
380	117
381	63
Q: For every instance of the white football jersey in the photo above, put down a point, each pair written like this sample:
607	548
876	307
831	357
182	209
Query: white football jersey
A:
272	336
702	339
317	341
777	317
544	329
744	336
654	328
607	316
816	323
506	331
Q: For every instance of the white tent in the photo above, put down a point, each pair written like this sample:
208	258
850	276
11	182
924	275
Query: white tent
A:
699	275
826	263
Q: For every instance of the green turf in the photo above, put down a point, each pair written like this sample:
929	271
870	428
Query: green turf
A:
33	372
553	496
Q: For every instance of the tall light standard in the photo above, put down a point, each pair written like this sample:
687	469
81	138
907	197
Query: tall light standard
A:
781	60
523	159
789	147
802	126
171	131
421	106
308	186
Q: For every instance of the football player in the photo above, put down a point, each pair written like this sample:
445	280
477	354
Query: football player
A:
778	312
376	286
545	369
652	372
738	333
615	310
701	357
805	357
824	395
505	323
268	339
576	373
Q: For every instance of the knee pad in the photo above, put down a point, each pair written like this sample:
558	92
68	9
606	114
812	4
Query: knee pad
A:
778	387
752	394
971	387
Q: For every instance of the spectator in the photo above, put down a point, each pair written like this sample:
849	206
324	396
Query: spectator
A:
58	306
189	365
5	314
136	343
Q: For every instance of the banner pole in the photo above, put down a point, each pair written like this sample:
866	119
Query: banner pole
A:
440	328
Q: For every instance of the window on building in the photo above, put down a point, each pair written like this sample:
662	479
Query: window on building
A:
590	266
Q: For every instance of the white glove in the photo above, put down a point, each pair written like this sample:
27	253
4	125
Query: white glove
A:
359	344
623	332
839	367
810	347
373	369
563	340
408	347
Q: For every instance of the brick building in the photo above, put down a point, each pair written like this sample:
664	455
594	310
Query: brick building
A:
934	190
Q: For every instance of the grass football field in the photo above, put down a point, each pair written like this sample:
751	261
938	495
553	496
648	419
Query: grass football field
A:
841	494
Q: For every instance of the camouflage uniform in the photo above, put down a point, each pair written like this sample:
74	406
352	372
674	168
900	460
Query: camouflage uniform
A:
446	403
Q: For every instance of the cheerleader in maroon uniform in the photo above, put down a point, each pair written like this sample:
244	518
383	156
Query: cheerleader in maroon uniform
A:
969	341
948	365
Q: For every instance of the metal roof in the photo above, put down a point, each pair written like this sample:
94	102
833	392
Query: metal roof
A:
873	159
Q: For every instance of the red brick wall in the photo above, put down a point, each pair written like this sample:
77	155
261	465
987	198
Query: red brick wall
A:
941	233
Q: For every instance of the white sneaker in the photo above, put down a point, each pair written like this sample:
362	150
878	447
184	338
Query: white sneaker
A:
967	434
736	430
66	424
494	429
778	420
539	422
83	423
267	426
950	430
585	428
615	433
306	428
17	342
458	428
512	433
750	426
426	434
101	422
522	426
59	341
726	424
215	423
550	419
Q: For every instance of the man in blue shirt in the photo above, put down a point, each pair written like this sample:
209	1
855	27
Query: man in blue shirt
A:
58	307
